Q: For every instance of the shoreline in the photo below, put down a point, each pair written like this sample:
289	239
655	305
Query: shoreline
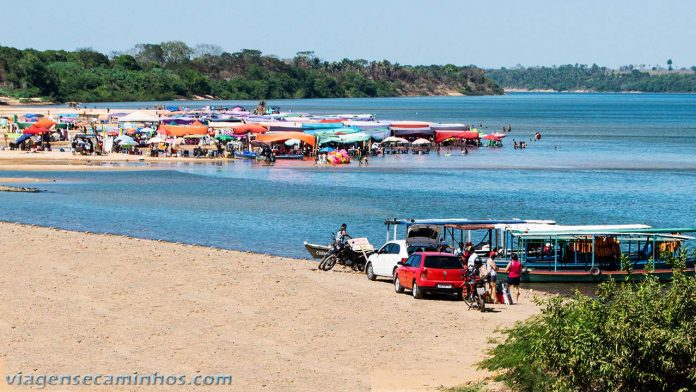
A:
119	304
65	161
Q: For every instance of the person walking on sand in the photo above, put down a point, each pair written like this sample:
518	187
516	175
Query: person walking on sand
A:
514	271
492	276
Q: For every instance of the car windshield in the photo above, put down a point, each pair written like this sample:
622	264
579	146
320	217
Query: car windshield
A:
443	262
419	248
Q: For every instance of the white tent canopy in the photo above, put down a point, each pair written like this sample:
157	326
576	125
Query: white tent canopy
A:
394	139
419	142
139	116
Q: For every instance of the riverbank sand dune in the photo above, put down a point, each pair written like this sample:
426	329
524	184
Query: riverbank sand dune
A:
81	303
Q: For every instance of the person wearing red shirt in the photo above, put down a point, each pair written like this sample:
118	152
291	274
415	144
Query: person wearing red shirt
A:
514	271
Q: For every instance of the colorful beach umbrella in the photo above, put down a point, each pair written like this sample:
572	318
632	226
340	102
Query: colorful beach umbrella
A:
223	137
44	123
419	142
155	140
34	130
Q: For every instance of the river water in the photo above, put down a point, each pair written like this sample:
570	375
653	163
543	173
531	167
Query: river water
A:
602	159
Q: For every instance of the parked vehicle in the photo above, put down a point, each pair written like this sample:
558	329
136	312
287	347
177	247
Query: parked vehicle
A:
383	263
354	254
474	292
430	272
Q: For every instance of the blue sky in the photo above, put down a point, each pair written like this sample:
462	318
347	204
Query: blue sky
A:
488	33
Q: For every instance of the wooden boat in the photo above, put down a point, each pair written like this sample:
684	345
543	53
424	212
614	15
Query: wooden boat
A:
316	251
592	276
568	253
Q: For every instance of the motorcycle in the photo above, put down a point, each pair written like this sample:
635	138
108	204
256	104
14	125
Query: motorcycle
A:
353	253
474	291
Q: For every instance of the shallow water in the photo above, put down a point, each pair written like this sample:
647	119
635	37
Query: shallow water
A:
603	158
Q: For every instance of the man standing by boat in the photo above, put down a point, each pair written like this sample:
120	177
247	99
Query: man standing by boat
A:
341	235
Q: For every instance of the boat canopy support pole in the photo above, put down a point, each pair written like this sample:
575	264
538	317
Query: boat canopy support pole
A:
394	232
555	254
388	227
504	243
653	248
593	240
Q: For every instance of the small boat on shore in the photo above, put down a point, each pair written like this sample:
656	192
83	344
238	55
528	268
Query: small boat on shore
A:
316	251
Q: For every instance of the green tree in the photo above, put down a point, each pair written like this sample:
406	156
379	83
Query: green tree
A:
175	52
127	62
630	337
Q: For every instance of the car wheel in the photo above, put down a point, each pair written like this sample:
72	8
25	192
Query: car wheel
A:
370	272
416	291
459	295
397	286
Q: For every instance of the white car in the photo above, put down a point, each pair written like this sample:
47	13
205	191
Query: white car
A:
419	238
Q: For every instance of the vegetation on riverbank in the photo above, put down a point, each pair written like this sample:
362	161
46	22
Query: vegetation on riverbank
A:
172	70
630	337
593	78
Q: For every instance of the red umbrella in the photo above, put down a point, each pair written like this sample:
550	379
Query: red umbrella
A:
443	135
112	133
34	130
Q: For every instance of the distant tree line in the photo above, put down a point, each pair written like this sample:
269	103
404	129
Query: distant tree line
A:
594	78
170	70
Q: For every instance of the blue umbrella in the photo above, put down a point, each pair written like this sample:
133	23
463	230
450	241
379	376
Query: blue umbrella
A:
325	150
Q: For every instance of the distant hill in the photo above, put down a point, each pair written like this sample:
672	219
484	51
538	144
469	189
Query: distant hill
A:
171	70
594	78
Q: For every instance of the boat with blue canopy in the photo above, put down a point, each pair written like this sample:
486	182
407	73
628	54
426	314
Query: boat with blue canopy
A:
567	253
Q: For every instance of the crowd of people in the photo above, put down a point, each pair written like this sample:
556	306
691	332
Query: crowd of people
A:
487	269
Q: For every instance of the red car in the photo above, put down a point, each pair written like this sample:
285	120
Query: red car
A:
430	272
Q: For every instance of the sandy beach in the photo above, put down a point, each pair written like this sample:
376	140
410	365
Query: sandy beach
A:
113	304
65	161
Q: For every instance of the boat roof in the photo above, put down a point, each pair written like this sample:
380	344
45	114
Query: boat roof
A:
466	222
573	231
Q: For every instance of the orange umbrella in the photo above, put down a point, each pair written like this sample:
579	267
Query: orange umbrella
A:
44	123
285	136
243	129
183	130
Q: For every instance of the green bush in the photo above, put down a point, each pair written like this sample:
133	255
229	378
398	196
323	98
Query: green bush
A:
630	337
